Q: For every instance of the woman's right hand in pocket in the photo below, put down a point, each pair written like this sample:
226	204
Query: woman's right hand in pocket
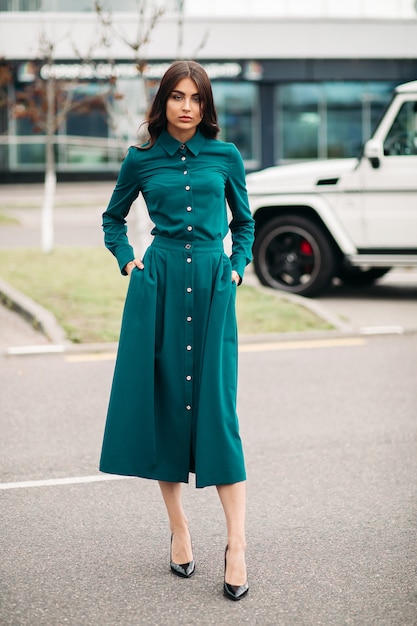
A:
132	264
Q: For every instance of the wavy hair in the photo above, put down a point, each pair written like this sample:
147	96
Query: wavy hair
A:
157	120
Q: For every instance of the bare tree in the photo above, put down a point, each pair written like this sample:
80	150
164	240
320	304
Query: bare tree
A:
147	19
148	15
180	37
46	106
46	103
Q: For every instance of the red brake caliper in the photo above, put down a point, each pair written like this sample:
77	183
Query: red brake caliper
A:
307	250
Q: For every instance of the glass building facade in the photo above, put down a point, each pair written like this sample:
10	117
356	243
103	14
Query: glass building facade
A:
271	123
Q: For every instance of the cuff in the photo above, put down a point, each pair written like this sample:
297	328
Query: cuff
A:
239	264
123	257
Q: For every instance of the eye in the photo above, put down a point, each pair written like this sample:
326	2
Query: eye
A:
176	96
196	98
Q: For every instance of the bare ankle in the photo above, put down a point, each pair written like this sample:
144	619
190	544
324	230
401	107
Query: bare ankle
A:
179	527
237	544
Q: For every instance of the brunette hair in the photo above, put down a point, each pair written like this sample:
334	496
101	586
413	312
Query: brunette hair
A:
157	113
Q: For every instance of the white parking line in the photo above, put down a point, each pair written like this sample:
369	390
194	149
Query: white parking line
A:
382	330
41	349
52	482
300	344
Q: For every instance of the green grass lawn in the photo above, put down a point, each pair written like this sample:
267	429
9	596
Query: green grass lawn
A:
83	288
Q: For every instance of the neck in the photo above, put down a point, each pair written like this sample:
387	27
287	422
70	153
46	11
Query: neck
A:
183	137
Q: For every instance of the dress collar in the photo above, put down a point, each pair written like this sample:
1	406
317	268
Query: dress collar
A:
171	145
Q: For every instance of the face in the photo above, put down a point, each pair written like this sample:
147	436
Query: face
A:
183	110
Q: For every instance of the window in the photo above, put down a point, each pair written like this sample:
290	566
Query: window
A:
89	122
67	5
298	121
29	152
237	107
20	5
326	120
85	139
402	137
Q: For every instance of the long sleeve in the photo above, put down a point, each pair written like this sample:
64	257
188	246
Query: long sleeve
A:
114	218
242	225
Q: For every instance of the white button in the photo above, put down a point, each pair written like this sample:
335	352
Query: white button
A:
188	407
188	377
185	172
187	188
189	208
183	158
189	260
182	146
189	290
189	318
188	348
189	228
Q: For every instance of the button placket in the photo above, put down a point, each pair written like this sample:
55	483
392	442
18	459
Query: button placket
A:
189	221
189	283
188	321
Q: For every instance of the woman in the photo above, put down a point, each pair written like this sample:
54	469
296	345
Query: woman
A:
172	408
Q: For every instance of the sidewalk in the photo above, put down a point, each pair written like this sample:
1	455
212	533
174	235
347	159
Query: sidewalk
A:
16	331
67	194
24	323
77	214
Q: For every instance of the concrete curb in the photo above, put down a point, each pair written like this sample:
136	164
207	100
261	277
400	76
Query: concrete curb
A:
39	318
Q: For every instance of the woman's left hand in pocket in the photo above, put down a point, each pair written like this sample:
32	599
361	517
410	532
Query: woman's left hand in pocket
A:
236	278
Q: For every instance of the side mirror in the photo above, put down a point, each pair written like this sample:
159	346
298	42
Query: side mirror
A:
373	150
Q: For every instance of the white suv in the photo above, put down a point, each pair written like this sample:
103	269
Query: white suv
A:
351	218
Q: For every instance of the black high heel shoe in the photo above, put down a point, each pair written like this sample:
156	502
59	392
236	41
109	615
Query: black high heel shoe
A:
185	570
233	592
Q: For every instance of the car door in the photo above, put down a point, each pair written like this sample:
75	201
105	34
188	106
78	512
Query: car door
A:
388	180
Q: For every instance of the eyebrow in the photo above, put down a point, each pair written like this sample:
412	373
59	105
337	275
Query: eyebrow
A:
182	93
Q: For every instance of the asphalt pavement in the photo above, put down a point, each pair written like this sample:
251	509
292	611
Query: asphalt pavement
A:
329	430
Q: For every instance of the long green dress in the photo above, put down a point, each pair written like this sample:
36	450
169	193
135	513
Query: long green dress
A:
172	407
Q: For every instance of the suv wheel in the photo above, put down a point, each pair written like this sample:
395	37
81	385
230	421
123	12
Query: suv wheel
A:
293	254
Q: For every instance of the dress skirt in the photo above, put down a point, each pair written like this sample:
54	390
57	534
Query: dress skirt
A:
172	406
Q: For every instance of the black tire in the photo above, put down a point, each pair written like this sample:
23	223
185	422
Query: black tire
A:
356	277
293	254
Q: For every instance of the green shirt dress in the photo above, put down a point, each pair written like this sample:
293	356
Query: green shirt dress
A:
172	407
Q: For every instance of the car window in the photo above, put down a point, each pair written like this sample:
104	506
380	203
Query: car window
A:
402	137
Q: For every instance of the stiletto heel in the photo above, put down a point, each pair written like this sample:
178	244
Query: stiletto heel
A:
185	570
233	592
